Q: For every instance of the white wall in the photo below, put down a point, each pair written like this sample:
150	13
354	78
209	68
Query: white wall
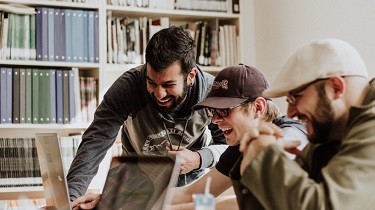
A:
281	27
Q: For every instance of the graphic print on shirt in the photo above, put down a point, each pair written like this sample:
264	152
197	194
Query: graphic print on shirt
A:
155	144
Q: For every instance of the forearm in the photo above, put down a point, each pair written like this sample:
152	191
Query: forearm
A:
210	155
226	202
221	203
182	195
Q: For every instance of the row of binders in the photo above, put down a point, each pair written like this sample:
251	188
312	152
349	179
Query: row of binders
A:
19	160
52	34
45	96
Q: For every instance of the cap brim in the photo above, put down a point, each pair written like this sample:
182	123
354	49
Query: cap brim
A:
273	93
218	103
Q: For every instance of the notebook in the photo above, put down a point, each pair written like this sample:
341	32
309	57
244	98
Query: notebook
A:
139	182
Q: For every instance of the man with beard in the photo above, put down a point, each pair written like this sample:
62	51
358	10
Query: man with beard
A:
153	103
326	86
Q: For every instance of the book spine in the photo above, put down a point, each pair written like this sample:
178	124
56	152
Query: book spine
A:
51	34
62	46
16	95
39	34
45	34
85	36
22	95
9	101
91	37
96	36
32	37
59	96
72	105
66	113
35	96
52	88
3	86
57	34
29	86
68	35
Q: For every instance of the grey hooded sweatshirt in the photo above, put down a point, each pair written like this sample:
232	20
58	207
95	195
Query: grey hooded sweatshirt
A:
144	131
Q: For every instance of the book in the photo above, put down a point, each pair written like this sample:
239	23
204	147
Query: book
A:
38	34
76	95
52	92
96	36
44	96
4	41
66	114
235	6
3	94
85	36
41	33
62	43
57	30
16	96
26	37
59	97
22	95
51	34
44	31
72	103
29	86
68	35
32	37
109	38
9	85
35	96
91	36
77	36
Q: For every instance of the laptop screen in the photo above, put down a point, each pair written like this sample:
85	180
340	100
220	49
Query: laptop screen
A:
52	171
136	182
139	182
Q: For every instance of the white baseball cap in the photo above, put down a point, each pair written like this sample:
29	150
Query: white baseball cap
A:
319	59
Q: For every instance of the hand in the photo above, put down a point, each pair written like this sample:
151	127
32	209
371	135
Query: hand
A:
189	160
264	140
88	201
256	130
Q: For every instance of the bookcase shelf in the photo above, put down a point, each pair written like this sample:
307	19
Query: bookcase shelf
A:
172	14
35	3
105	73
15	193
55	64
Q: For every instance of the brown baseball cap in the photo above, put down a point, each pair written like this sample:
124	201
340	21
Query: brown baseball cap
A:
234	85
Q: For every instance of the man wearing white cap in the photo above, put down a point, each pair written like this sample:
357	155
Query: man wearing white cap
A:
326	86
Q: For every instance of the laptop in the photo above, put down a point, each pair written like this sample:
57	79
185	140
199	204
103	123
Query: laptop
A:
135	182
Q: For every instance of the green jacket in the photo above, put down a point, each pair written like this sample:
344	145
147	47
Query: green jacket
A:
341	177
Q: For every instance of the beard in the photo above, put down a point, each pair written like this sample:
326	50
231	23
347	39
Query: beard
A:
177	101
322	128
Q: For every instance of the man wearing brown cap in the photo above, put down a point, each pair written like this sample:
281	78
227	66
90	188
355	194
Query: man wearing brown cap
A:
236	104
326	86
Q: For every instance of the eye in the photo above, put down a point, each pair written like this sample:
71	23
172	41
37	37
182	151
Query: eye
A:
169	85
151	83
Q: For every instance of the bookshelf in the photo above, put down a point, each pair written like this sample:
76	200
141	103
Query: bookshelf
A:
103	71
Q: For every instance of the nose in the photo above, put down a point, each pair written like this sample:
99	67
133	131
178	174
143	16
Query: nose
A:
160	92
292	111
216	119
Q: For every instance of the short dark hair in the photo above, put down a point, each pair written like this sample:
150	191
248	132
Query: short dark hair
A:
170	45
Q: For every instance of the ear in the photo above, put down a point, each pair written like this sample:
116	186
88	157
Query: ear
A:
191	76
337	85
260	105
